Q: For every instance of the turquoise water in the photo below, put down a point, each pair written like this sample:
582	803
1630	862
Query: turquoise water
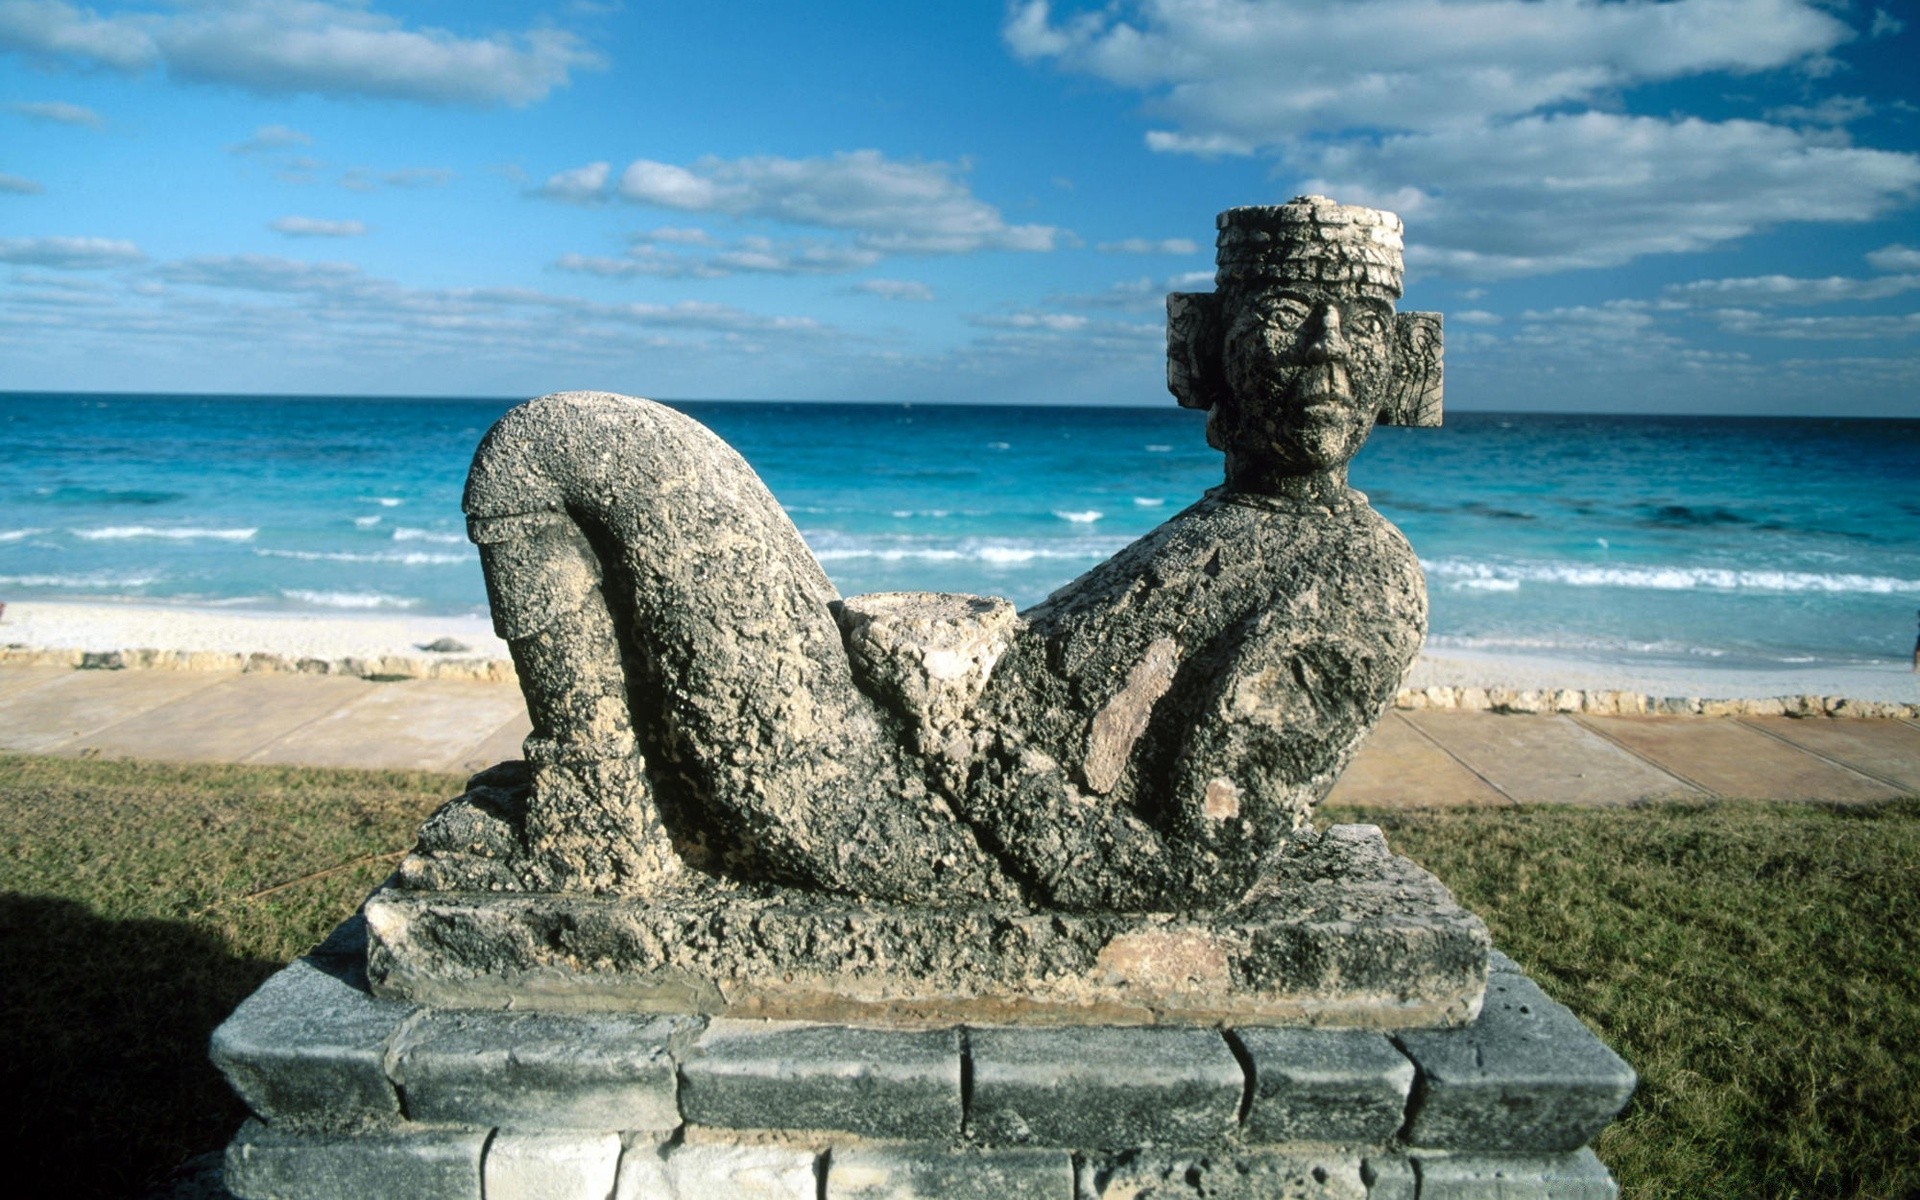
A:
1665	539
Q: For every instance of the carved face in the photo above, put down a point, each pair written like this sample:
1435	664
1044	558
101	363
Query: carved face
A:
1308	369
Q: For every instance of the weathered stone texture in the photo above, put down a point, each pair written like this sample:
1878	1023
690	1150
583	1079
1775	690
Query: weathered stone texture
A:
1342	932
551	1166
1148	739
708	1171
540	1070
778	1075
307	1050
1229	1176
1086	1088
929	1173
268	1164
1324	1085
1527	1076
1577	1176
1389	1177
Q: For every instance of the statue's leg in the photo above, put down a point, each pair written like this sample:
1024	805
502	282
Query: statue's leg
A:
738	683
592	821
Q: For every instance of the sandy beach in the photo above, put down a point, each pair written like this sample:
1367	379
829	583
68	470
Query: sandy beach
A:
105	628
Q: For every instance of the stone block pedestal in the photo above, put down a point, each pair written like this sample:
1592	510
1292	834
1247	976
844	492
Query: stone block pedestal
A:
354	1096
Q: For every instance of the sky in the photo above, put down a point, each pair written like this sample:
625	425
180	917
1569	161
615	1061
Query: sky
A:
1704	206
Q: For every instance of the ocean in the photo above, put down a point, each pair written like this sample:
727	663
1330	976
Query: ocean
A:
1701	541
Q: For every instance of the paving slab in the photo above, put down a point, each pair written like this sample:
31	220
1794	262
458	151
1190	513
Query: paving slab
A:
418	724
228	721
47	719
1889	750
1400	767
1731	759
1547	760
22	679
499	746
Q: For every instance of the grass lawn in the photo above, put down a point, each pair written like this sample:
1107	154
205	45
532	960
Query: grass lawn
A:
1759	965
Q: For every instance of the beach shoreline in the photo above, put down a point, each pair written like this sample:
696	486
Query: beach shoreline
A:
426	645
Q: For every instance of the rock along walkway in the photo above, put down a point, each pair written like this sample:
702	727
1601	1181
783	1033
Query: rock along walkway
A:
1418	758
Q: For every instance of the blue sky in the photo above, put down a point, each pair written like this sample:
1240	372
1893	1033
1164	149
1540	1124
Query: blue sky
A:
1690	206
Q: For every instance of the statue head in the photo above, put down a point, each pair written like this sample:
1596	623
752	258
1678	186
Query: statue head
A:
1298	352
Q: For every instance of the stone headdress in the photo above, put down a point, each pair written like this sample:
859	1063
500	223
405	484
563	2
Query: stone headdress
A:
1313	242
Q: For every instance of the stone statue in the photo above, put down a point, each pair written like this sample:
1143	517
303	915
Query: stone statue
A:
708	712
902	879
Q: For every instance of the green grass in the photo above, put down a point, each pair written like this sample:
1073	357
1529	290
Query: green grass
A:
130	927
1758	964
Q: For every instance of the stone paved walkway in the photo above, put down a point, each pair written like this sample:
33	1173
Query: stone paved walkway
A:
1416	758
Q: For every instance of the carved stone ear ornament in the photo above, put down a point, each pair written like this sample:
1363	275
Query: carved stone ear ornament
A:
1196	330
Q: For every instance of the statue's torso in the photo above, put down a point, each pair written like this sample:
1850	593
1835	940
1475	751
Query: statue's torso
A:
1200	690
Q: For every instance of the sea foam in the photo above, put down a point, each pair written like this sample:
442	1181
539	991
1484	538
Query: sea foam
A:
364	600
409	558
166	533
1497	576
406	533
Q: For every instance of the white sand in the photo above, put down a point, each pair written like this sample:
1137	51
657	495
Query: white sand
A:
106	627
57	626
1894	681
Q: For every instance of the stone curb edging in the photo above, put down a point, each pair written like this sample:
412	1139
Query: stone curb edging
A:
1639	704
483	670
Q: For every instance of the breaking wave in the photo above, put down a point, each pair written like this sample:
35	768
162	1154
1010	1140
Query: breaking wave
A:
172	534
361	600
1509	576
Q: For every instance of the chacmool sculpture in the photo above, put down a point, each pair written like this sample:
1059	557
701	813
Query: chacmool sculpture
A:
905	876
1147	739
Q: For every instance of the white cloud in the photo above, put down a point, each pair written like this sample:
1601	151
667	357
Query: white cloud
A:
677	235
580	185
69	253
1597	189
19	186
1895	258
908	290
758	255
342	293
893	207
637	263
1493	125
57	112
747	256
271	137
1135	245
52	29
313	227
325	47
1885	24
1136	295
1772	290
264	273
1240	74
1834	110
1473	316
361	179
1762	325
1051	322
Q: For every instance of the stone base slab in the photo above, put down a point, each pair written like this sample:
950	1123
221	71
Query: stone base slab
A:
1346	934
357	1096
263	1164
